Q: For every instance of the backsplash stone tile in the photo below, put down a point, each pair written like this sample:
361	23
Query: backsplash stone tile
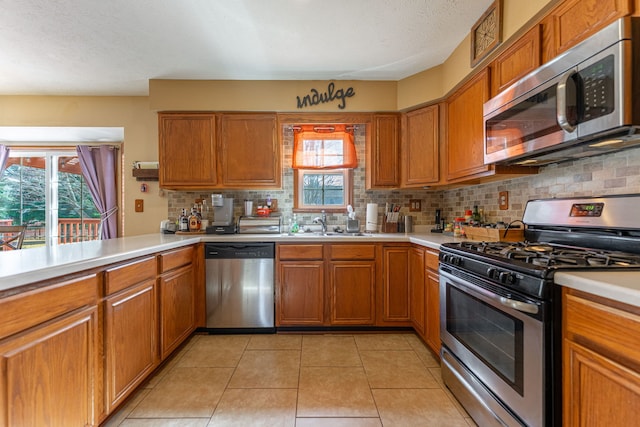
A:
616	173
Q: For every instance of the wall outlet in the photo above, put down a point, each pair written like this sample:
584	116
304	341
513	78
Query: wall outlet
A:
139	205
503	200
415	205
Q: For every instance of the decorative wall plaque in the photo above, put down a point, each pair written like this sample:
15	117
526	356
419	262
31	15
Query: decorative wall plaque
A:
486	33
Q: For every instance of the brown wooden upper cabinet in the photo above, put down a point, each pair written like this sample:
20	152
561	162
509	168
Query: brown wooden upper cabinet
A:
187	150
575	20
383	154
208	150
465	136
420	147
520	58
250	151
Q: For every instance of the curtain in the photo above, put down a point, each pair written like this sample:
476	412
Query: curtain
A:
4	155
324	147
99	170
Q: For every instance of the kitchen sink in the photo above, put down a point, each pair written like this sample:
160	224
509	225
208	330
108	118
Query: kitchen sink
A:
328	234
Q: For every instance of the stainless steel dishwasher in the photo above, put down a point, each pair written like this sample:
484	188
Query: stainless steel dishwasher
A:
240	287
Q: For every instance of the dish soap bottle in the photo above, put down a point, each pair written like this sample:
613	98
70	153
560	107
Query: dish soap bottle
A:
294	225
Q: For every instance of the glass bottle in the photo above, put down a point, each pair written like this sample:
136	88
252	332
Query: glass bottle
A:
183	221
194	220
477	218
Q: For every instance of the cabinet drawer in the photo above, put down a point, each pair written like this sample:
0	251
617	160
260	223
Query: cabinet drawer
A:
432	260
350	252
175	259
27	309
613	330
123	276
299	252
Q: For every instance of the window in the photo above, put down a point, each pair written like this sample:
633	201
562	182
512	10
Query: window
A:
46	191
323	159
330	190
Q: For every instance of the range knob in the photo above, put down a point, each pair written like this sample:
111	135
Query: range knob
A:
506	277
492	273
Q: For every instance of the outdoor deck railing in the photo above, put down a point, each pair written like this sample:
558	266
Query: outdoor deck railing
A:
78	230
69	230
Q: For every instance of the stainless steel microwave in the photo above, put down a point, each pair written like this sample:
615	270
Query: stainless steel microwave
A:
584	102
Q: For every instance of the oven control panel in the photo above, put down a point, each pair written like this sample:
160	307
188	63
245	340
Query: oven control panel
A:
501	276
490	271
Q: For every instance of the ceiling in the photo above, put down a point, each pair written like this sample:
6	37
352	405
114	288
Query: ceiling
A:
113	47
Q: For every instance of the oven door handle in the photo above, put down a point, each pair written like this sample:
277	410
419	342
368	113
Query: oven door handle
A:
525	307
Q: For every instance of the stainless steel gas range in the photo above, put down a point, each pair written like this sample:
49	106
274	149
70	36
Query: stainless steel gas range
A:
500	311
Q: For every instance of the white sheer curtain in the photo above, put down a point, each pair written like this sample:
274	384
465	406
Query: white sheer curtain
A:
4	155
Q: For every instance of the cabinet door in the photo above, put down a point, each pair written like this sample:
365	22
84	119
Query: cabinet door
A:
187	151
352	289
131	340
177	312
250	151
432	333
417	282
575	20
383	154
395	286
520	58
598	391
49	373
601	360
420	147
300	293
465	143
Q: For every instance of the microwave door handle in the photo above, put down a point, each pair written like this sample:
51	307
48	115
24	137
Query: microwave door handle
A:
561	102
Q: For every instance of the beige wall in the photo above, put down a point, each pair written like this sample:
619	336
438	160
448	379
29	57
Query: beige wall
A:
217	95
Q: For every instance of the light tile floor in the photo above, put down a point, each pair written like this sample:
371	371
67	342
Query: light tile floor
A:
337	380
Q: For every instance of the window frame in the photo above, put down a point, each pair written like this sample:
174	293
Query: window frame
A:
52	189
298	204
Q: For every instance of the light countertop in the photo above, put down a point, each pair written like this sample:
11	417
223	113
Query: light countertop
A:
621	286
19	268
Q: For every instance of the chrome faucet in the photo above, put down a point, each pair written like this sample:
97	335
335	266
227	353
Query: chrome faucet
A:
322	220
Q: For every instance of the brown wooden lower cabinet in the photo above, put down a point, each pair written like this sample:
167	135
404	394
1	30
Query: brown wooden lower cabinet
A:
394	302
432	304
177	291
50	373
300	285
300	293
352	288
417	288
130	327
601	361
177	316
131	340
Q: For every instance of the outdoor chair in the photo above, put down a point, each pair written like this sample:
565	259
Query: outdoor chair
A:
11	237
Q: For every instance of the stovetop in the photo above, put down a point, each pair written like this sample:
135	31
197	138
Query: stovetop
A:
552	256
525	267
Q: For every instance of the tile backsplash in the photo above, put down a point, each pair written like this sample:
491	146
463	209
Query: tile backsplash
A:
616	173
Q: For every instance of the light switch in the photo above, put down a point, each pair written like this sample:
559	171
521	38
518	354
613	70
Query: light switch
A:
139	205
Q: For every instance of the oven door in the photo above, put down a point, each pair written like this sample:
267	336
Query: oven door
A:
495	340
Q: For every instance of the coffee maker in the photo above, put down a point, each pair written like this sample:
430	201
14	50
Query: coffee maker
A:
223	222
